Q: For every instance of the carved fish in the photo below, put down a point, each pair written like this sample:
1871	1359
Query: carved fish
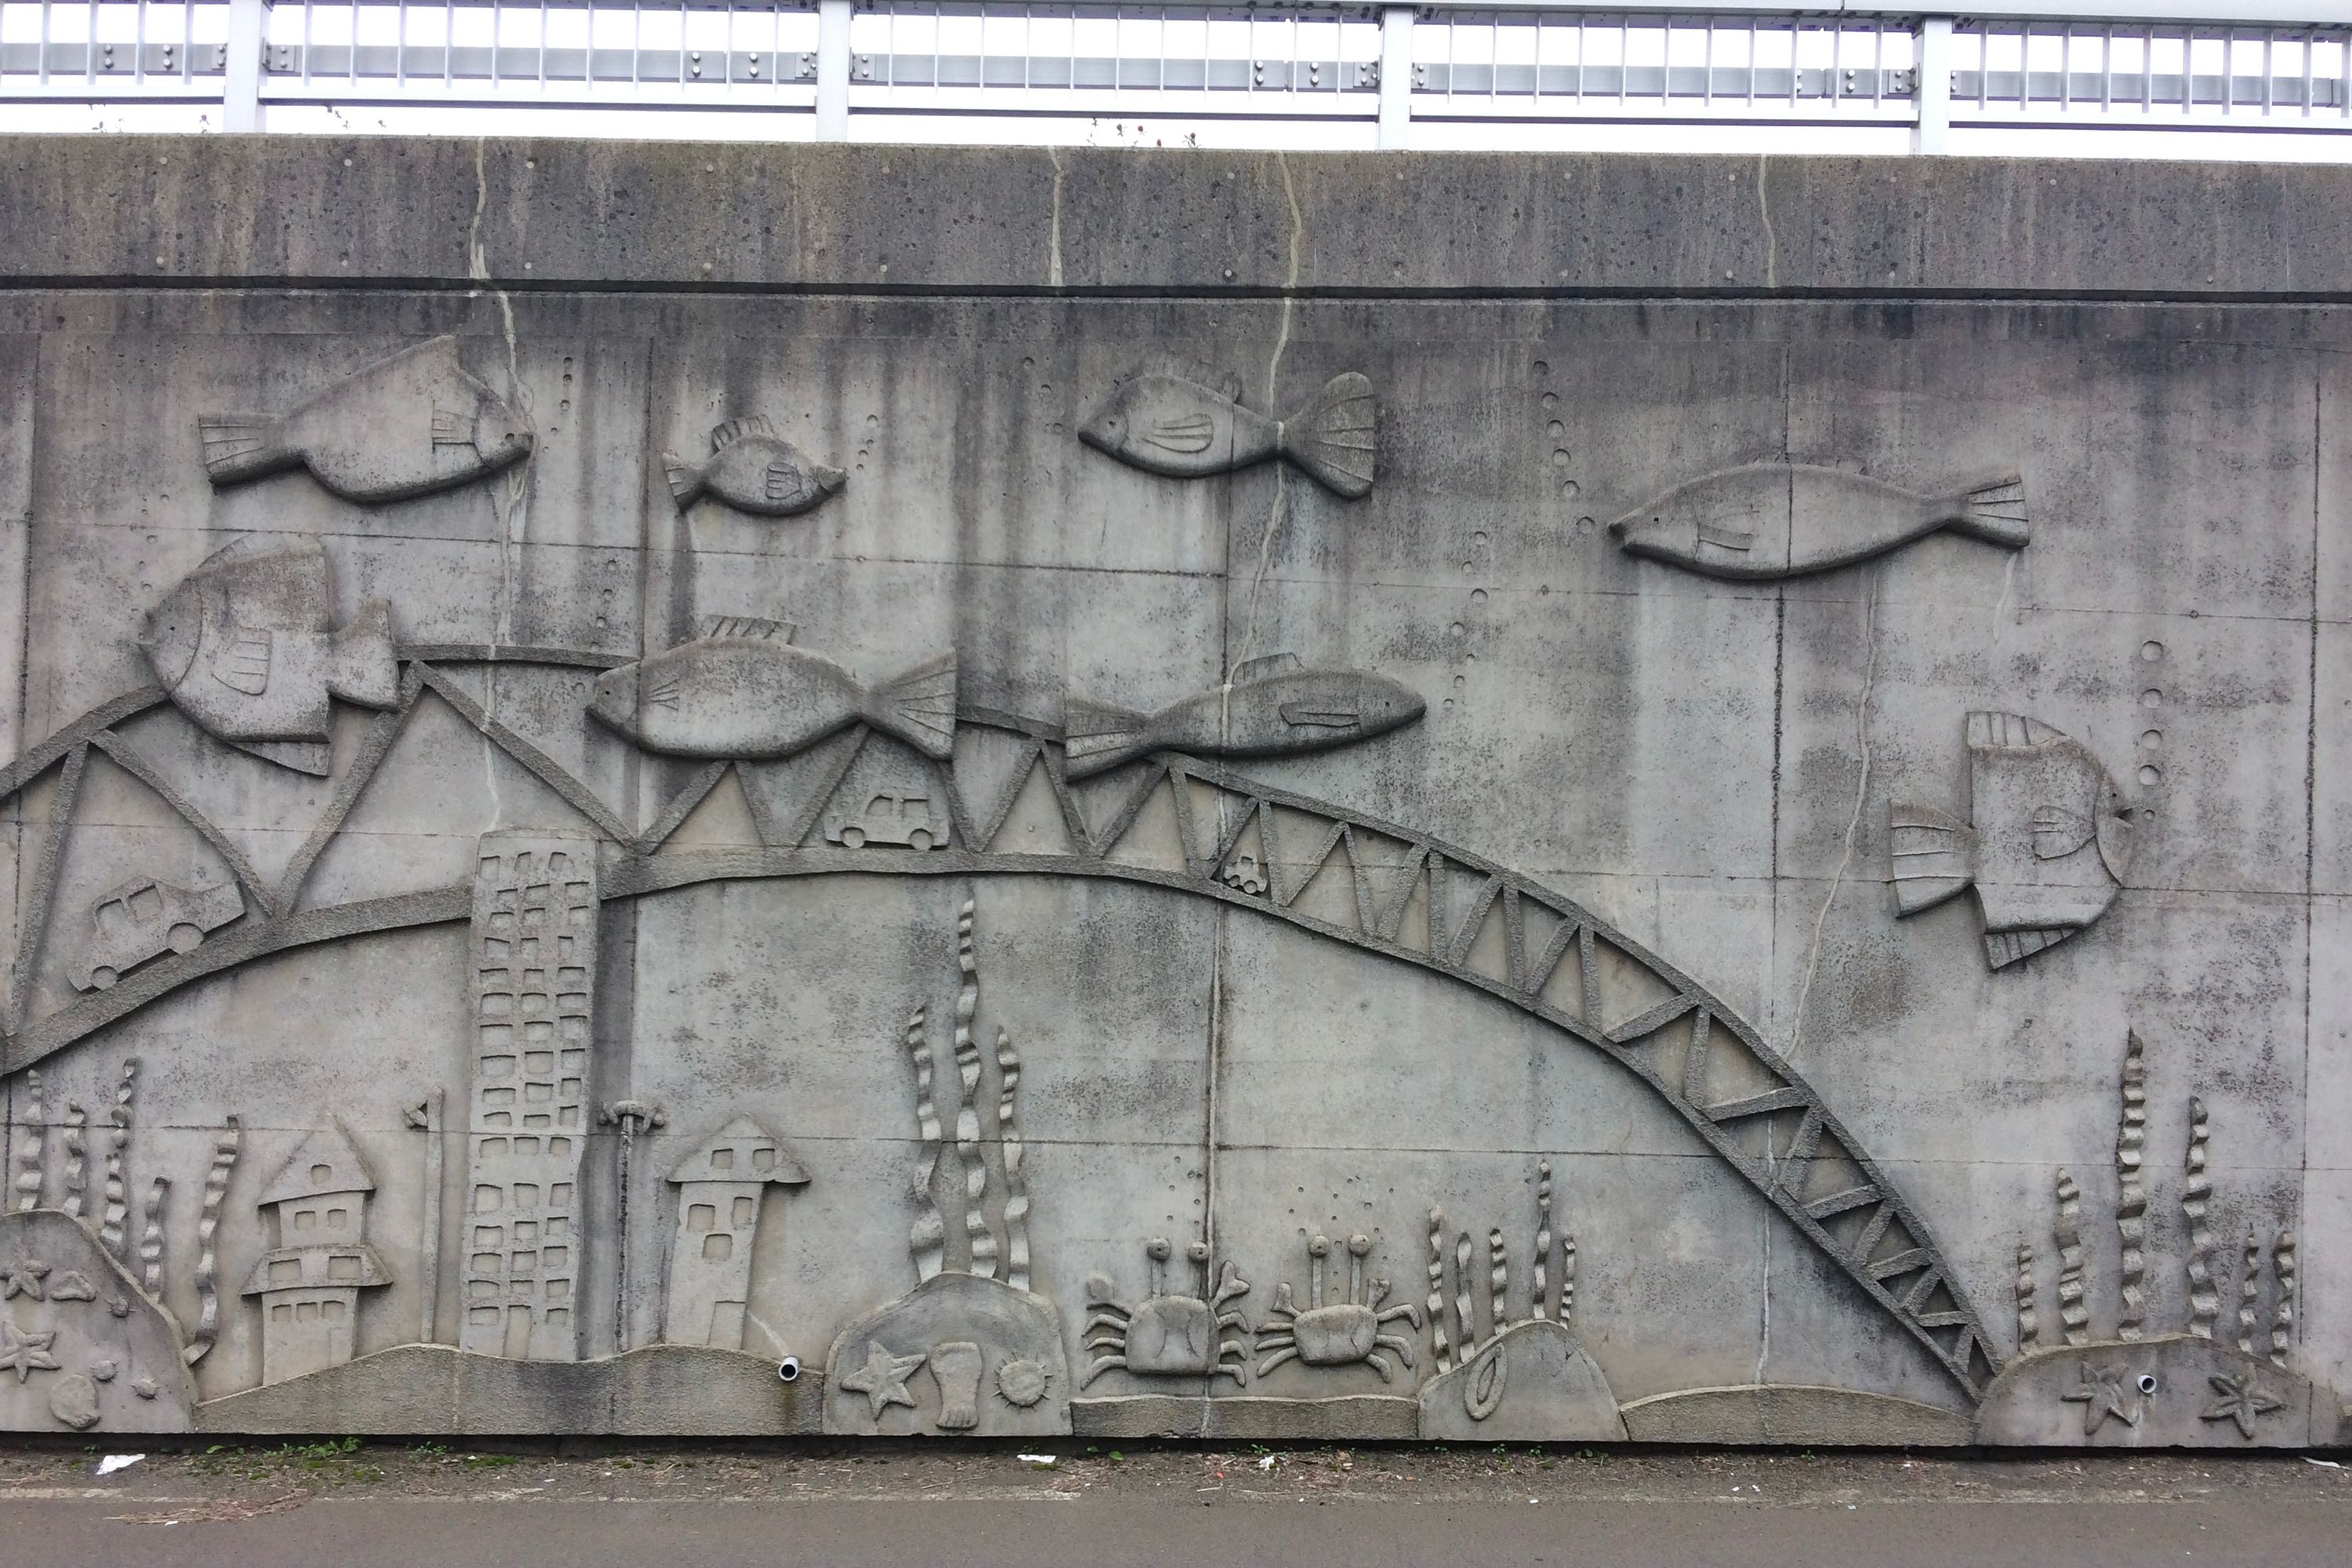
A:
2047	851
407	426
753	469
1773	519
245	645
1166	425
742	689
1273	706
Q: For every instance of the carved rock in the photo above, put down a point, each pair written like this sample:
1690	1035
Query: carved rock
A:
49	1344
1533	1383
2177	1391
992	1336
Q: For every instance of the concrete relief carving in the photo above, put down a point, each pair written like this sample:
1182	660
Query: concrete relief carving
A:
1165	1334
721	1191
740	689
752	469
145	919
309	1284
81	1341
891	816
1170	425
2046	846
1271	706
247	647
1351	1331
1765	522
407	426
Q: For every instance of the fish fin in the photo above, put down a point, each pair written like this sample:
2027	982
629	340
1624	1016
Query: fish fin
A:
1724	538
743	629
1099	736
360	667
1333	438
1994	513
1185	436
312	757
2006	947
453	426
2008	731
1264	667
239	447
1307	716
2058	832
1934	853
920	707
685	478
243	662
725	436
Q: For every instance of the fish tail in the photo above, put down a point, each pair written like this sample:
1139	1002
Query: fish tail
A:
1333	438
1099	736
239	447
1994	513
685	478
920	707
359	662
1934	855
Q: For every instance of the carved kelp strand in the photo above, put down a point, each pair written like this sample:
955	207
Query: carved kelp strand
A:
224	1148
1016	1186
151	1237
1465	1316
77	1153
967	1056
2069	1235
110	1232
1536	1302
2248	1285
1498	1281
2283	1310
1567	1278
1438	1290
2196	1197
30	1153
926	1237
2029	1327
2131	1197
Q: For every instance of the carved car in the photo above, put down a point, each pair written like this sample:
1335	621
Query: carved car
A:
1246	874
143	917
890	816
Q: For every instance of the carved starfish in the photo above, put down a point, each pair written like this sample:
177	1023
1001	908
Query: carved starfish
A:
2243	1399
24	1278
2101	1395
883	1378
26	1353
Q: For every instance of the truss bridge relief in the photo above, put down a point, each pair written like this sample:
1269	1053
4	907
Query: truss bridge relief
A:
1169	821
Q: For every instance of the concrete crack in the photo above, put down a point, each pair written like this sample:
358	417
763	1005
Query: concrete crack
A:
1054	236
1764	212
1853	823
507	498
1278	510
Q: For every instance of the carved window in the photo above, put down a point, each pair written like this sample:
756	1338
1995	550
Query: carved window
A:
306	1312
306	1219
281	1313
701	1216
488	1200
338	1219
285	1272
718	1247
744	1209
722	1159
332	1311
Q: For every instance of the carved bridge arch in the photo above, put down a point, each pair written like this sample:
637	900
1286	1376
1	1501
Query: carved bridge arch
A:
1777	1133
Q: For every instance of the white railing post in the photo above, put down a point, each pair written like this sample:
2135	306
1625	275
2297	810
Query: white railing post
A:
833	70
1396	77
248	28
1931	94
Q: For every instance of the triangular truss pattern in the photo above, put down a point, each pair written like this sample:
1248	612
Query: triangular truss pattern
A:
1781	1137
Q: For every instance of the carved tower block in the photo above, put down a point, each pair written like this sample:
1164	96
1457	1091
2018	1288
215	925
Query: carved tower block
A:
719	1187
310	1286
534	974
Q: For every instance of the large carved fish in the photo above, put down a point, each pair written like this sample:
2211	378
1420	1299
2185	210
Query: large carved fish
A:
753	469
407	426
1273	706
1166	425
1774	519
740	689
2046	851
245	647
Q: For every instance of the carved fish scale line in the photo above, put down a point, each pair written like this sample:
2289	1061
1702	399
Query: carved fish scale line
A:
1448	946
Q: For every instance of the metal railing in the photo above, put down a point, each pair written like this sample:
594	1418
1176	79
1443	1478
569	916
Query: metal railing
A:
1504	73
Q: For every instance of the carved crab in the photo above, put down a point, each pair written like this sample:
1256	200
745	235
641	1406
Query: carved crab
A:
1165	1335
1343	1334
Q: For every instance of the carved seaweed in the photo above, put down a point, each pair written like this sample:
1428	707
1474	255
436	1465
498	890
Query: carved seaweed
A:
151	1237
2069	1234
967	1055
1498	1281
2196	1197
1465	1322
118	1204
29	1154
2283	1310
1568	1278
76	1157
2249	1279
2131	1200
224	1150
1543	1238
926	1237
1437	1291
2029	1327
1016	1185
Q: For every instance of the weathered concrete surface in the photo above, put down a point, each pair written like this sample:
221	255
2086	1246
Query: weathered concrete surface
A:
1536	957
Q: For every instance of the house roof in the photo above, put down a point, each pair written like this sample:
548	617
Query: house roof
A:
325	1162
742	1151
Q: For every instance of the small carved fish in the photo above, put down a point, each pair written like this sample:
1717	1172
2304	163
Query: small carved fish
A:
740	689
2047	851
1166	425
753	469
1774	519
407	426
245	647
1273	706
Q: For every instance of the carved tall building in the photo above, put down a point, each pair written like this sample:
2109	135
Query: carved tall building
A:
534	974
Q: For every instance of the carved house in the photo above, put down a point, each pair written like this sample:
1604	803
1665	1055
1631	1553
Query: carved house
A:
309	1285
721	1186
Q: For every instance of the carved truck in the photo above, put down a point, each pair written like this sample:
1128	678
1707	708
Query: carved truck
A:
890	818
142	918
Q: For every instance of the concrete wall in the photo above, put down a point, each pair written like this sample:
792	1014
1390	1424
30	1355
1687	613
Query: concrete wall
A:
1548	913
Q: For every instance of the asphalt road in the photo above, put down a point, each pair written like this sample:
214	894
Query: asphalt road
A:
1372	1509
